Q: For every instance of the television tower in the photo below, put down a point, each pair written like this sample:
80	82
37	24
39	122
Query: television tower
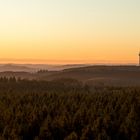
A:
139	58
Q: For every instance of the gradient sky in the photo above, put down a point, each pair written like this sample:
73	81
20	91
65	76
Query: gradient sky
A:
69	31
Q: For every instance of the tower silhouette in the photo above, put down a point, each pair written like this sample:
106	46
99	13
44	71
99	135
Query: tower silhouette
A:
139	58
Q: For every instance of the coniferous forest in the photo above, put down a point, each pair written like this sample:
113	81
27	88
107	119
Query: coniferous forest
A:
67	109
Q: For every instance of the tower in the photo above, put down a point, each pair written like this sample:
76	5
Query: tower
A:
139	58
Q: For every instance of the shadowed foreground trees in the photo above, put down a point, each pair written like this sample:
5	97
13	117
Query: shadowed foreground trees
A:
67	110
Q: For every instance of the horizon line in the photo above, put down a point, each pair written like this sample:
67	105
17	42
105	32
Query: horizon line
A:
60	61
62	64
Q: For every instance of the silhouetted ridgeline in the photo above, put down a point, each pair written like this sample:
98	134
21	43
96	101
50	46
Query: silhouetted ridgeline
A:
66	109
93	75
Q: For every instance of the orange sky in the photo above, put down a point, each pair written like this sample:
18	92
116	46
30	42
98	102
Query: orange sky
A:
72	31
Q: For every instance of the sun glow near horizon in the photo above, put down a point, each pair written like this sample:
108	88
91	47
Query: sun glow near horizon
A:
69	31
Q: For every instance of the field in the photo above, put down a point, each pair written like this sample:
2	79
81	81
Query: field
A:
64	108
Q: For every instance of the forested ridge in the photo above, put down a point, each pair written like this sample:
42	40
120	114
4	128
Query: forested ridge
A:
67	109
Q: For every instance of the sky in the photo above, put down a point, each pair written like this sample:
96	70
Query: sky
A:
69	31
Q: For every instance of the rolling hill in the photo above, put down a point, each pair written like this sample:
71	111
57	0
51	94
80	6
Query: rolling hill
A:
93	75
101	75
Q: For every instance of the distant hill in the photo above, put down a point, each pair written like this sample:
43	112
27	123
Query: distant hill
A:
15	68
36	67
93	75
101	75
54	67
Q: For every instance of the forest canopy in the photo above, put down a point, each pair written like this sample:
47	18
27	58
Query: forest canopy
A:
66	109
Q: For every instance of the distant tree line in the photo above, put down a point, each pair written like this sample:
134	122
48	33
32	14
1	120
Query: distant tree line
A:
66	109
42	71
